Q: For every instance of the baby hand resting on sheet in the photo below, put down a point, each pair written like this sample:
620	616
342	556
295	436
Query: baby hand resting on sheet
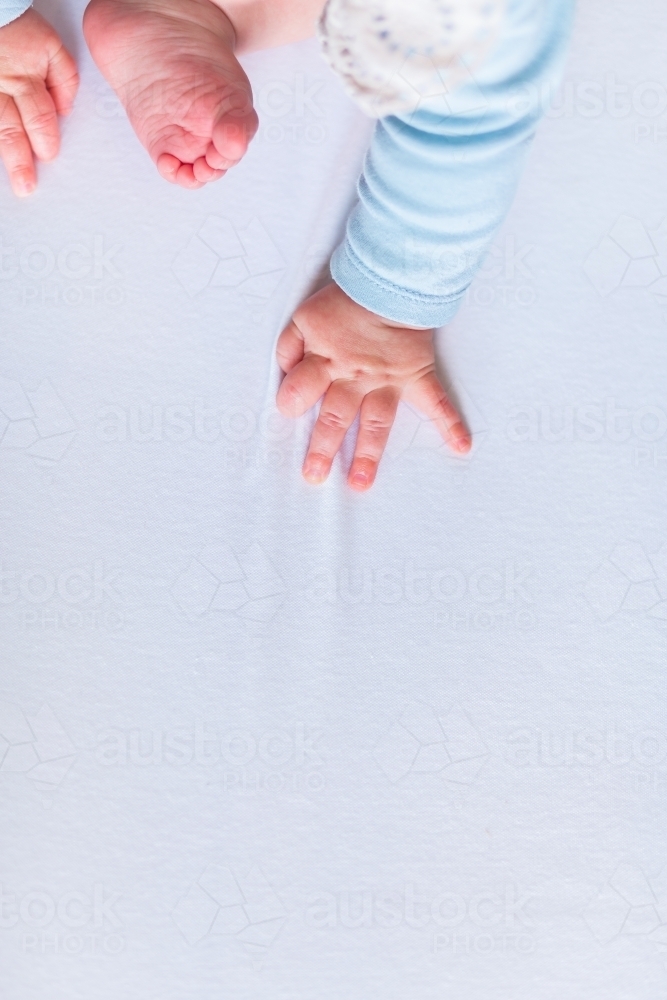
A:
38	81
437	183
363	364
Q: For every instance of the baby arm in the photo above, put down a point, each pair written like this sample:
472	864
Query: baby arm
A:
265	24
438	182
436	186
38	81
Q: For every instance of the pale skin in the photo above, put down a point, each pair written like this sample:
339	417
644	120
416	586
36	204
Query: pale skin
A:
363	364
173	65
38	82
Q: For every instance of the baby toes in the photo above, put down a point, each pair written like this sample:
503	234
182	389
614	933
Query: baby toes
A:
217	161
185	177
171	168
231	137
168	166
204	173
188	175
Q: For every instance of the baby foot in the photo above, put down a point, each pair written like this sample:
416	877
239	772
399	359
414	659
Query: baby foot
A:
172	64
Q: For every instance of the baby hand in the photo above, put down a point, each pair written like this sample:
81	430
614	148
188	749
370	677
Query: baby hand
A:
38	79
361	363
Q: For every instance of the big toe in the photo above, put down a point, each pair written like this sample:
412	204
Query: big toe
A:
230	138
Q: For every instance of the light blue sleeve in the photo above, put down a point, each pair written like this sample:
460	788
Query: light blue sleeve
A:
11	9
437	183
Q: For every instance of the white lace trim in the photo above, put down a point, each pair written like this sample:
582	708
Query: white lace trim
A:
393	54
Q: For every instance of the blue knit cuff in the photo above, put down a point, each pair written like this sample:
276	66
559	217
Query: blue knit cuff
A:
11	9
387	300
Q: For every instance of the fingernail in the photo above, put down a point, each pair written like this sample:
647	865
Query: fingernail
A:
360	479
460	438
314	472
23	186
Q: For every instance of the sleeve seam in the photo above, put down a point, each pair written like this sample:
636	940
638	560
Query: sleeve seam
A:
385	286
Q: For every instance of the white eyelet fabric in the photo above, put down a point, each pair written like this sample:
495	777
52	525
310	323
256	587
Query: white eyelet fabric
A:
393	54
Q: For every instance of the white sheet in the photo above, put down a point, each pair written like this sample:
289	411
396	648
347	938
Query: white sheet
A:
443	700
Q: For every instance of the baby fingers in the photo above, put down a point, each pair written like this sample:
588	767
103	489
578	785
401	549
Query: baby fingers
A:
62	80
378	412
38	114
428	395
303	386
289	348
15	150
339	408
